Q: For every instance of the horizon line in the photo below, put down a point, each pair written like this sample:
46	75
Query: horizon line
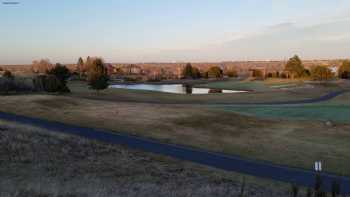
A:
195	62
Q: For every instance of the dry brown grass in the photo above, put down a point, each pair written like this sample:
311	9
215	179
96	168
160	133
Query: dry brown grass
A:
294	143
35	162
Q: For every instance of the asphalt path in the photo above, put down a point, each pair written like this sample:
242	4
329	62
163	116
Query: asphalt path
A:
322	98
234	163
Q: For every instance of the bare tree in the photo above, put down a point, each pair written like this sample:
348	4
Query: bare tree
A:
41	66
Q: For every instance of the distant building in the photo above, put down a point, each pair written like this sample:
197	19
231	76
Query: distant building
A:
132	69
334	69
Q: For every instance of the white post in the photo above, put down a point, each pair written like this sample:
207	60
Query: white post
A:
318	166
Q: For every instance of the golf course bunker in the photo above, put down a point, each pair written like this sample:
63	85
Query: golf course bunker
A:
174	88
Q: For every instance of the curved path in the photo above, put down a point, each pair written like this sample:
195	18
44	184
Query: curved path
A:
323	98
226	162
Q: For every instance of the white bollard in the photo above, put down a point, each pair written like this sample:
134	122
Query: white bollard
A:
318	166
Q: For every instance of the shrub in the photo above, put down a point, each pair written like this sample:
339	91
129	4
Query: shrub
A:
23	84
344	70
49	83
321	73
97	75
61	72
8	85
8	74
215	72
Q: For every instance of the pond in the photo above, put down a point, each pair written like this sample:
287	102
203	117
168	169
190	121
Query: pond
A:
174	88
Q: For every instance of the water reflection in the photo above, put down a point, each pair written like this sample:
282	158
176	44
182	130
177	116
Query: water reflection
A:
188	88
174	88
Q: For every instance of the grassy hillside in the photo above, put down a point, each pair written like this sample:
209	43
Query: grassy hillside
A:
275	140
35	162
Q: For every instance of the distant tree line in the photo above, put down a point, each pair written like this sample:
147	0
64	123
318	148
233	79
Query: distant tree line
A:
53	78
295	69
191	72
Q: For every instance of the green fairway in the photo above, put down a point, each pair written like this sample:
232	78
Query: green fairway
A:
257	86
238	85
275	140
337	113
221	129
337	109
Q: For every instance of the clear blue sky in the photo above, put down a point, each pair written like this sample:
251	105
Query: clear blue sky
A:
173	30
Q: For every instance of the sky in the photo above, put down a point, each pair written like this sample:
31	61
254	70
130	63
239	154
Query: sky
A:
173	30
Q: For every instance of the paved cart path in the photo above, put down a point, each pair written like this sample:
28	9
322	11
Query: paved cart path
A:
322	98
217	160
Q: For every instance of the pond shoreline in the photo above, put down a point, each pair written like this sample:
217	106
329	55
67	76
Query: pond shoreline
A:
169	82
174	88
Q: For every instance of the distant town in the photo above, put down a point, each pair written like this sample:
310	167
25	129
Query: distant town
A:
168	71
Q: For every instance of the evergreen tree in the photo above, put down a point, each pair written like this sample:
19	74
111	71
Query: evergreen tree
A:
187	71
97	75
80	66
62	74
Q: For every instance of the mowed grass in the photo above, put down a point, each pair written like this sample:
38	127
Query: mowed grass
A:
237	85
336	110
279	141
339	113
256	85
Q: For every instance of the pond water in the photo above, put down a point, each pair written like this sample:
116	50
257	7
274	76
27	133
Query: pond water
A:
174	88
